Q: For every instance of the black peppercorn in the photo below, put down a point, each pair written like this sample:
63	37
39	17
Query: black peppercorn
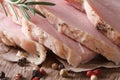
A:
22	62
42	72
2	74
61	66
36	73
55	66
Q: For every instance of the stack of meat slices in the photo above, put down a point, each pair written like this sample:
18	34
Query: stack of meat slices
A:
11	34
72	35
76	26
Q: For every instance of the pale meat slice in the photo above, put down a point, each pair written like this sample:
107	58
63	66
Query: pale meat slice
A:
78	4
15	14
104	14
43	32
76	25
82	56
11	34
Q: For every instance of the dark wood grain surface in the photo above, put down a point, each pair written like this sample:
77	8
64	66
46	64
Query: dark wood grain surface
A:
12	68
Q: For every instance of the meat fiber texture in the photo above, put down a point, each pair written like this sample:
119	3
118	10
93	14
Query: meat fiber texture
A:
78	4
43	32
74	24
63	46
11	34
105	17
17	18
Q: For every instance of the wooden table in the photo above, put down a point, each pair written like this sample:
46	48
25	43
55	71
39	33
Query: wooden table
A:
12	68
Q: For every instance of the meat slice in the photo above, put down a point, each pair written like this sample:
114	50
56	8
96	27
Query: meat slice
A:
62	46
78	4
11	34
76	25
105	16
43	32
15	14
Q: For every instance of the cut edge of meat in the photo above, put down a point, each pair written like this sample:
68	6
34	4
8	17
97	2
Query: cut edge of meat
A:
66	51
101	25
86	36
61	25
6	38
78	4
30	36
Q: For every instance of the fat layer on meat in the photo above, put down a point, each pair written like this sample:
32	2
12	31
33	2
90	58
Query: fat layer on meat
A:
43	32
62	46
11	34
78	4
76	25
101	25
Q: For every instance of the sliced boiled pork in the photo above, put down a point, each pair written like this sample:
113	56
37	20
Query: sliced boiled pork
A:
43	32
105	15
78	4
74	24
11	34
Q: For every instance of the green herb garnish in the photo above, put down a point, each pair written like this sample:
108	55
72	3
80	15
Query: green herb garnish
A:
25	6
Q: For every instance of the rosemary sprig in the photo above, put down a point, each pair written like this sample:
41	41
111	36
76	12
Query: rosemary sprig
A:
26	7
39	3
38	12
31	10
24	12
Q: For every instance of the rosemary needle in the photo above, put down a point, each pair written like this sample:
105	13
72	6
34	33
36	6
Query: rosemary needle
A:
31	10
38	12
26	7
24	12
39	3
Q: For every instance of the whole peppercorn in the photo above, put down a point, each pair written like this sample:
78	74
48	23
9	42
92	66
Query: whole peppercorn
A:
36	73
96	72
89	73
55	66
93	77
35	78
2	74
63	72
42	71
61	66
93	74
22	62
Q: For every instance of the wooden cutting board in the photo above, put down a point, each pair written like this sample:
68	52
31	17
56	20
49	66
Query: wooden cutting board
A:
12	68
